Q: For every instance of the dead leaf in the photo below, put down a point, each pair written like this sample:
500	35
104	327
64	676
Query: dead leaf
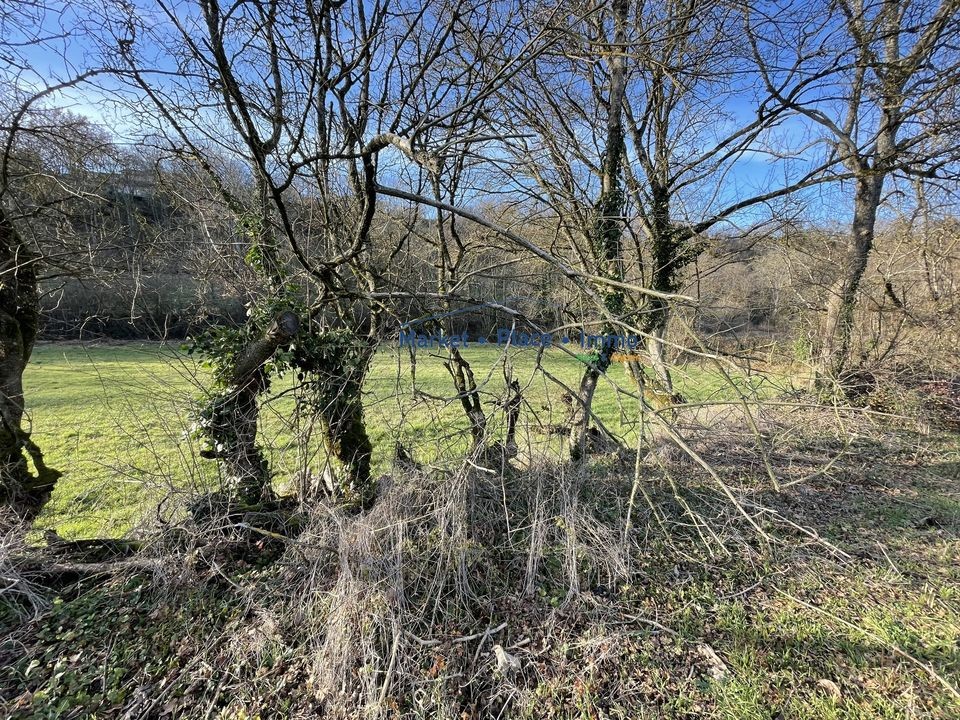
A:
831	687
716	668
506	663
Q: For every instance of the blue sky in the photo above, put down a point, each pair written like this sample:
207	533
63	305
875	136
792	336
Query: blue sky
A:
69	50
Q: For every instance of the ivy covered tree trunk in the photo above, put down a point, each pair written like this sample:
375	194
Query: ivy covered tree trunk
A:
333	364
668	258
346	439
231	420
607	228
21	490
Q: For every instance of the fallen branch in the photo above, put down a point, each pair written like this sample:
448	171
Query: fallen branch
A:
466	638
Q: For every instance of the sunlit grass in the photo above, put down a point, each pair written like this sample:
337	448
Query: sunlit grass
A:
116	418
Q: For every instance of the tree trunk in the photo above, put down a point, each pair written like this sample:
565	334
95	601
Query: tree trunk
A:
234	416
665	244
657	350
580	421
841	304
607	227
466	386
22	491
346	439
458	367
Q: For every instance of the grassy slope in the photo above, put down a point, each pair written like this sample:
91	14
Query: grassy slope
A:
99	412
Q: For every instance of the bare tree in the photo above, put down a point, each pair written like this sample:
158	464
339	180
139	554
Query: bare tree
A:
56	224
682	158
877	79
320	103
606	229
46	157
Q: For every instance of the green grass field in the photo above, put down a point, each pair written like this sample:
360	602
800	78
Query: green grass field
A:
115	419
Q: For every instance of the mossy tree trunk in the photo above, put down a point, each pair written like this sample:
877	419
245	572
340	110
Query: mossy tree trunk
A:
665	246
333	366
842	301
21	490
605	234
346	439
234	415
